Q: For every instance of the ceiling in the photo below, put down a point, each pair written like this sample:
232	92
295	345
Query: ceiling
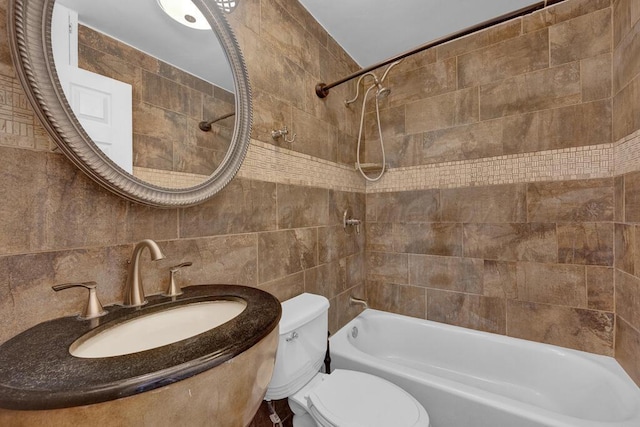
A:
373	30
369	30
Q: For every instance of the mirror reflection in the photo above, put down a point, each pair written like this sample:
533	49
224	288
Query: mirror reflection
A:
154	95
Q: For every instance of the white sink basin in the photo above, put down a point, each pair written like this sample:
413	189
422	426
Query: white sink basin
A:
157	329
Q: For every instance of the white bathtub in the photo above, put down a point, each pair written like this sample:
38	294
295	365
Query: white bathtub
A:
477	379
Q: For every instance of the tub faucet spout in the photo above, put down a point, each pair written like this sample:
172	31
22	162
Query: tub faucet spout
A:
358	301
133	290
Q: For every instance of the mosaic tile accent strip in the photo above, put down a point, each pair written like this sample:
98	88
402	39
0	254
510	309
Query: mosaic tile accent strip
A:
627	154
596	161
269	163
266	162
18	125
168	179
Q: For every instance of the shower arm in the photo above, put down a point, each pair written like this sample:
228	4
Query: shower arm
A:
375	80
322	89
393	64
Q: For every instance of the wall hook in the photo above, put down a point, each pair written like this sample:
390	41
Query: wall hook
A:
275	134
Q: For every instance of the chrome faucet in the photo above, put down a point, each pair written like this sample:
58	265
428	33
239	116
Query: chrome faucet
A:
347	220
357	301
353	222
133	290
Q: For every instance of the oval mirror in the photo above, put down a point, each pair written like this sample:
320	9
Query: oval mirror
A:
160	118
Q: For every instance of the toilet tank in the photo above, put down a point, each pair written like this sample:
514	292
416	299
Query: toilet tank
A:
302	344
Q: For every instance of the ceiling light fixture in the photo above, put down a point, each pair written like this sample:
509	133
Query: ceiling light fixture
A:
185	12
227	6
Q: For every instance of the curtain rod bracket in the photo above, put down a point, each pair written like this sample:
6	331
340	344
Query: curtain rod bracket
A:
321	90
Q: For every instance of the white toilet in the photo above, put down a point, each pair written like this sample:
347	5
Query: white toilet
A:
340	399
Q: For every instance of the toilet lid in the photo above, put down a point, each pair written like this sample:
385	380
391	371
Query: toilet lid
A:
355	399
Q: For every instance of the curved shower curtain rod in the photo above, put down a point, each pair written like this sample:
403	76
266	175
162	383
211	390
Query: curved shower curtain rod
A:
322	89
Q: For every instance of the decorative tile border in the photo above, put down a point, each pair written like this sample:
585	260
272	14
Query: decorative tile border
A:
627	154
596	161
273	164
266	162
168	179
18	125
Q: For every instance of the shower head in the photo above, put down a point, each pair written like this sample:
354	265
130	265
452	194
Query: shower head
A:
382	92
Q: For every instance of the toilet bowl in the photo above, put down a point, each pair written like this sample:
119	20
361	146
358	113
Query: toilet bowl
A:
342	398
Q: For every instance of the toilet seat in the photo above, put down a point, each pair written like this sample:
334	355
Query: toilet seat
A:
355	399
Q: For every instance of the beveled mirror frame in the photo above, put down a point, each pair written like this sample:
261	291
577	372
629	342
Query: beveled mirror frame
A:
30	43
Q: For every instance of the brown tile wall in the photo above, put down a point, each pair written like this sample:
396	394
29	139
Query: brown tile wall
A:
541	82
168	104
493	258
287	54
627	275
626	110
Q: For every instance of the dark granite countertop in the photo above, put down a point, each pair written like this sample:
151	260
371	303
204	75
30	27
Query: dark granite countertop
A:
38	372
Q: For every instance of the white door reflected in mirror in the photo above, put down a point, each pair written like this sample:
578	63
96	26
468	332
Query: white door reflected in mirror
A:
102	105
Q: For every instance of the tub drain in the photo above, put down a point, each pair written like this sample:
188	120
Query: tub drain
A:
354	332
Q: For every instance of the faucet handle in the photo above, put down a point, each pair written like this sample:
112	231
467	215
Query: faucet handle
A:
347	220
93	308
174	290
